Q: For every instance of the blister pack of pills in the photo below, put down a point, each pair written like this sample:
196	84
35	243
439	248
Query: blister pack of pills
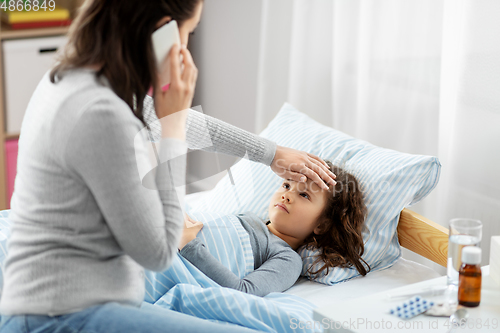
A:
412	307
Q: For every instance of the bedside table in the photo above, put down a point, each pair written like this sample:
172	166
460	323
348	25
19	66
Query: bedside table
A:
371	313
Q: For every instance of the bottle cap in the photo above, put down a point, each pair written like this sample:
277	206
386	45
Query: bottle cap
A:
471	255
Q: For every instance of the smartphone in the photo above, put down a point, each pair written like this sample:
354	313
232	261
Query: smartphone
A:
163	40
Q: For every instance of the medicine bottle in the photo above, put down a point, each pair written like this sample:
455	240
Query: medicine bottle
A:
469	277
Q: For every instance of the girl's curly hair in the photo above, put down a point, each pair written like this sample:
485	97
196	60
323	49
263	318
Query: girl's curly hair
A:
340	240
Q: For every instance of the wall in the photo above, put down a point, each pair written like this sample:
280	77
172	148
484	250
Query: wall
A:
225	49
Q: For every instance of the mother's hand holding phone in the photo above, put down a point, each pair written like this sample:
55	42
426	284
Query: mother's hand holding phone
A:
172	105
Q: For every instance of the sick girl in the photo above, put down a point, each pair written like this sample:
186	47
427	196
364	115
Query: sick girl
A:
300	214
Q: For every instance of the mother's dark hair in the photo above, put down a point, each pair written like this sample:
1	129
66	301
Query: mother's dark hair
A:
115	35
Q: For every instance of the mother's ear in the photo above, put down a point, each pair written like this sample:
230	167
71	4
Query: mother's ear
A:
164	20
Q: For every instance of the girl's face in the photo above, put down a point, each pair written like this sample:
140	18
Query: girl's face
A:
295	209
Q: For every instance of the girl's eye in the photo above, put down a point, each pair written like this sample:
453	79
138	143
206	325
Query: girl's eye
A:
285	185
306	195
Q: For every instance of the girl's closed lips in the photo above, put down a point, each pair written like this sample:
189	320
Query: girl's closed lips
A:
281	206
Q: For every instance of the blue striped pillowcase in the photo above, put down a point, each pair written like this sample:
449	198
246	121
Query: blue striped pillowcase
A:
390	181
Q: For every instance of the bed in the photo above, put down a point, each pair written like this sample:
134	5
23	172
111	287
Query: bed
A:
415	233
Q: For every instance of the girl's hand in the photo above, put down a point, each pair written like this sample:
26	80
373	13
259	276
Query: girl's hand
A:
172	105
294	164
191	229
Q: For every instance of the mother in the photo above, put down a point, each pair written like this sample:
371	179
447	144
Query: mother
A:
84	225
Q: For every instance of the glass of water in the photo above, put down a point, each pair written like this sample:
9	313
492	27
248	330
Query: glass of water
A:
463	232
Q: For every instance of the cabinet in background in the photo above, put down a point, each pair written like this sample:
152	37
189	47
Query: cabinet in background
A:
25	61
14	97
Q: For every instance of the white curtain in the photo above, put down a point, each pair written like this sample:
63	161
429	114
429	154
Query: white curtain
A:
417	76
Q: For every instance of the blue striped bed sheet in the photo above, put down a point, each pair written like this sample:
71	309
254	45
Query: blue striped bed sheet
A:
191	292
184	288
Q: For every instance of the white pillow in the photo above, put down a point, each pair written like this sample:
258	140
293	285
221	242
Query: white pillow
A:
390	181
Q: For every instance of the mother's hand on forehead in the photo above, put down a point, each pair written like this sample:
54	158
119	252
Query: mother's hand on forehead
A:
294	164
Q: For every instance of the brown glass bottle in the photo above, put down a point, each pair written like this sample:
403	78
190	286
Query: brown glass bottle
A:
469	278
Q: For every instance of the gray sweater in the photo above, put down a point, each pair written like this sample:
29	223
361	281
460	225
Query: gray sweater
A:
84	225
277	266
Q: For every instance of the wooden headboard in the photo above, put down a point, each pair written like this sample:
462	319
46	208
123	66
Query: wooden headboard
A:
423	236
